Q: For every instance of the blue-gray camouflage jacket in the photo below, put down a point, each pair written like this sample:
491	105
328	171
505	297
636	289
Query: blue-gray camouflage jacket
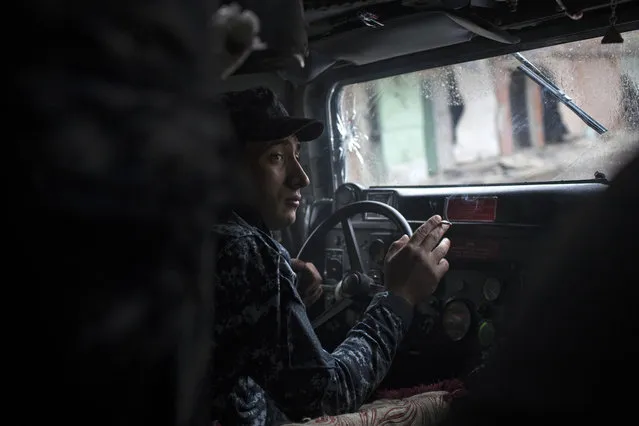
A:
269	365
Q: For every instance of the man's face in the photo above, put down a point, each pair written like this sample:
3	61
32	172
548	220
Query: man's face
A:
276	178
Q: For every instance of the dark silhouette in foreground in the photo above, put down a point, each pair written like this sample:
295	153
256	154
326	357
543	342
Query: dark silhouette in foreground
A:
120	170
571	355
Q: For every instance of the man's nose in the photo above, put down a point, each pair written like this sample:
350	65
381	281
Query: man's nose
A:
297	177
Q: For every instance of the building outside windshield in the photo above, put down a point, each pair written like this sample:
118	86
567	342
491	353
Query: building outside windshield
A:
486	121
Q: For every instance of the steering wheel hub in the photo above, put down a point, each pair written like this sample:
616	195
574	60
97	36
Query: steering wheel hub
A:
355	284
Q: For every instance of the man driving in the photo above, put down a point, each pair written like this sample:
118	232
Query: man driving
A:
270	367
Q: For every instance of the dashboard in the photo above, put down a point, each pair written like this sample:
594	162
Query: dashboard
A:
496	232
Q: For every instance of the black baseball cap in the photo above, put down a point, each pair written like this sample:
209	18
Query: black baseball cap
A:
258	116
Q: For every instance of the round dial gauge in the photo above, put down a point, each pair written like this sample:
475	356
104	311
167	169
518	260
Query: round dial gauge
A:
456	320
345	194
492	289
486	333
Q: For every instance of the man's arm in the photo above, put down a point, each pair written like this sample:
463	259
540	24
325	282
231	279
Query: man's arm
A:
259	306
364	358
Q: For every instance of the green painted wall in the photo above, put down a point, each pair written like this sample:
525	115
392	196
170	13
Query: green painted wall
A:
406	124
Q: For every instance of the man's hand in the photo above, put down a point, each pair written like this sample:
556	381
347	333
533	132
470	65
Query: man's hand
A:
309	281
414	266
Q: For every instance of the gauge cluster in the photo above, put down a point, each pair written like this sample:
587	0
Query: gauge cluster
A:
467	304
386	197
373	245
460	324
466	312
346	194
494	234
349	193
456	320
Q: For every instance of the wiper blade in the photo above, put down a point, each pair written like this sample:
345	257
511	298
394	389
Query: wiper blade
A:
538	77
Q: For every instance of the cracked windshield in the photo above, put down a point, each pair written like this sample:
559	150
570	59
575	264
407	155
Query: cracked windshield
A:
492	121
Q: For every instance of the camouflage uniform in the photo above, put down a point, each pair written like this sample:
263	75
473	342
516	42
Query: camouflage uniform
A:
267	358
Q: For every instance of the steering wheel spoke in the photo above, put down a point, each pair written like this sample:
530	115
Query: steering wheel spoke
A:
352	248
356	282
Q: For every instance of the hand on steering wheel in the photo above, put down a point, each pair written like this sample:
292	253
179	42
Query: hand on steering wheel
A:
309	281
356	279
414	266
355	283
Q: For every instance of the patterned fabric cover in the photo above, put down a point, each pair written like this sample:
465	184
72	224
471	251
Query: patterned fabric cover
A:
424	409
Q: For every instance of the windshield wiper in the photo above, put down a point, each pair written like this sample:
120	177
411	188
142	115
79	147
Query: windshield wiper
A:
538	77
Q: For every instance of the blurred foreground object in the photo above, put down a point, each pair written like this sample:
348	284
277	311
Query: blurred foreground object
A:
235	37
283	31
122	164
571	352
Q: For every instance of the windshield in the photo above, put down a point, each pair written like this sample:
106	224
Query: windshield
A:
489	121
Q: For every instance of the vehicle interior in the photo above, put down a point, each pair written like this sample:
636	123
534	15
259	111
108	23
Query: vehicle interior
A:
502	116
506	117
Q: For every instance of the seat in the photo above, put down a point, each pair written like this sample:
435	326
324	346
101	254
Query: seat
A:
424	409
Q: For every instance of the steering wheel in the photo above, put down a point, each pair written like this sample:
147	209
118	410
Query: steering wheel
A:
355	283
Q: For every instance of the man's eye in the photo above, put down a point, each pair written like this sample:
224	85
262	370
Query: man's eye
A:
277	157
